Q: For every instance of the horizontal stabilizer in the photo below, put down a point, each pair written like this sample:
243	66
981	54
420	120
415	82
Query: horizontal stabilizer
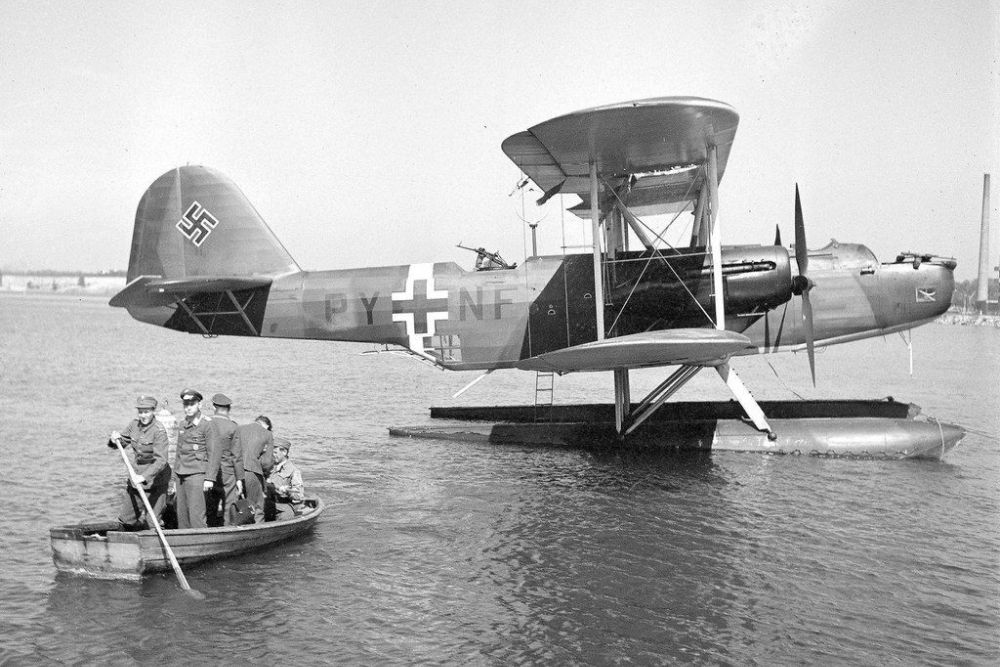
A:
153	291
652	348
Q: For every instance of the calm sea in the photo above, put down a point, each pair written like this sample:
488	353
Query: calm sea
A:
436	552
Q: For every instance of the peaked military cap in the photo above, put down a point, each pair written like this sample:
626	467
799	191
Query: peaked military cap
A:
190	395
283	443
145	402
221	400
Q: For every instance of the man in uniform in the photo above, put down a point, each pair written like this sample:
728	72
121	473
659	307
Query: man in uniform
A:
196	444
255	442
145	444
285	490
226	462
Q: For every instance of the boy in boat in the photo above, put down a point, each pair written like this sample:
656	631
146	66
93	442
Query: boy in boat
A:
255	441
145	444
285	491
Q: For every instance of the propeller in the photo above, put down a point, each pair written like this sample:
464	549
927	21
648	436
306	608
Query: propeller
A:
801	284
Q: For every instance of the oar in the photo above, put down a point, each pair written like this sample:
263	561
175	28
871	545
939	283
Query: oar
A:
151	518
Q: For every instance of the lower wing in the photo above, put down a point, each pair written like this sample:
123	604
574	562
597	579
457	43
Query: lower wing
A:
673	347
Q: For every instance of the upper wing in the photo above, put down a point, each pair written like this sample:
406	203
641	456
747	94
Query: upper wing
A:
652	348
645	138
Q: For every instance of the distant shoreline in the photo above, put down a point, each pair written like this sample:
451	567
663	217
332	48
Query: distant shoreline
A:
79	284
970	320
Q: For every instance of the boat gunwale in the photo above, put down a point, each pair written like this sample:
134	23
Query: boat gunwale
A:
78	531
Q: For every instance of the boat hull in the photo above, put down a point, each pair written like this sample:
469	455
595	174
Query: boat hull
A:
99	549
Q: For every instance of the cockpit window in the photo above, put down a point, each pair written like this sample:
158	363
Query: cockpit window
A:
854	255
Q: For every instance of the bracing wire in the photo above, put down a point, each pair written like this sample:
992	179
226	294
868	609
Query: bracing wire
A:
782	380
658	255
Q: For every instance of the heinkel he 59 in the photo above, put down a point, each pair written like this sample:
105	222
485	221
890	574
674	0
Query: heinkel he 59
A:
203	261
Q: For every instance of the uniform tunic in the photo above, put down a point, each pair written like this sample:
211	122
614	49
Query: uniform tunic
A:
195	446
147	450
228	470
288	504
255	443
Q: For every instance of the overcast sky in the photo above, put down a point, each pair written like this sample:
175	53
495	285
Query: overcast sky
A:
369	133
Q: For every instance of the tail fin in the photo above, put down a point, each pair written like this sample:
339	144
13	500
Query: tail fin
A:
193	221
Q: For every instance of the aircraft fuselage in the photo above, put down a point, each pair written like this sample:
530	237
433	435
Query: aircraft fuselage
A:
490	319
465	320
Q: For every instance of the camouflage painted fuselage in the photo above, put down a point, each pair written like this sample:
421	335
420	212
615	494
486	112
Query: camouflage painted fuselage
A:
489	319
466	320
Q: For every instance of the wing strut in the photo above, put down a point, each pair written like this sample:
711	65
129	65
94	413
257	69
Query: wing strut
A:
595	218
716	235
698	235
728	375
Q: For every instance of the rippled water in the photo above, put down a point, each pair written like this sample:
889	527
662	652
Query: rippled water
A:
437	552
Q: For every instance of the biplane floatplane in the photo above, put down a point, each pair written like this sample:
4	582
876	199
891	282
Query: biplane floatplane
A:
203	261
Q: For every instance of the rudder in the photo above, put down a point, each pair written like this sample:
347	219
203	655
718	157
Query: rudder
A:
194	221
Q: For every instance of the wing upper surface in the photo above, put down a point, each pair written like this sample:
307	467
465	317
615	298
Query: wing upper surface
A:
650	136
652	348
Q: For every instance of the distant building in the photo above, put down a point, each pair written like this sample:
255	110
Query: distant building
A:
55	282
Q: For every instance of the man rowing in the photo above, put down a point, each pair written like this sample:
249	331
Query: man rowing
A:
145	444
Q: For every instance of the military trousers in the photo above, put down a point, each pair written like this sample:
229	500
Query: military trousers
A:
191	500
132	512
232	494
280	509
253	489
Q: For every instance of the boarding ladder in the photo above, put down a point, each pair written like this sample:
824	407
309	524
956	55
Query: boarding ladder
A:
544	394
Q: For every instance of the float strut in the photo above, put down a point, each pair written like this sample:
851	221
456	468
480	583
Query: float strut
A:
748	402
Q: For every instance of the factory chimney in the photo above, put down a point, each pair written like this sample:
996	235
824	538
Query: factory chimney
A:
982	289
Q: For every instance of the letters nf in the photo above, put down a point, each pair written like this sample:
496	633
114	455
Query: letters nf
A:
197	223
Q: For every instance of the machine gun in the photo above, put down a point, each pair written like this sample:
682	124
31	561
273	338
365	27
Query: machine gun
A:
488	261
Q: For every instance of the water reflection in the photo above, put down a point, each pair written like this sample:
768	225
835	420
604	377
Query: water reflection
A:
245	612
565	542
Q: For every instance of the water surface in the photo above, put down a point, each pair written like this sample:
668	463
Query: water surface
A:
443	552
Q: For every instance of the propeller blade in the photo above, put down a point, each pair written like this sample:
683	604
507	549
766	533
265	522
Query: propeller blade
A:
802	284
777	235
801	251
807	315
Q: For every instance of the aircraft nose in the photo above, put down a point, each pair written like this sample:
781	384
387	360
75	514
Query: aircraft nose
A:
942	280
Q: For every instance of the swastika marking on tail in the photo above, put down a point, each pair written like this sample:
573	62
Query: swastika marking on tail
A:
197	223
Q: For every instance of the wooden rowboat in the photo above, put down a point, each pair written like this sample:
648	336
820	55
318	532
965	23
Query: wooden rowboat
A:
103	550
